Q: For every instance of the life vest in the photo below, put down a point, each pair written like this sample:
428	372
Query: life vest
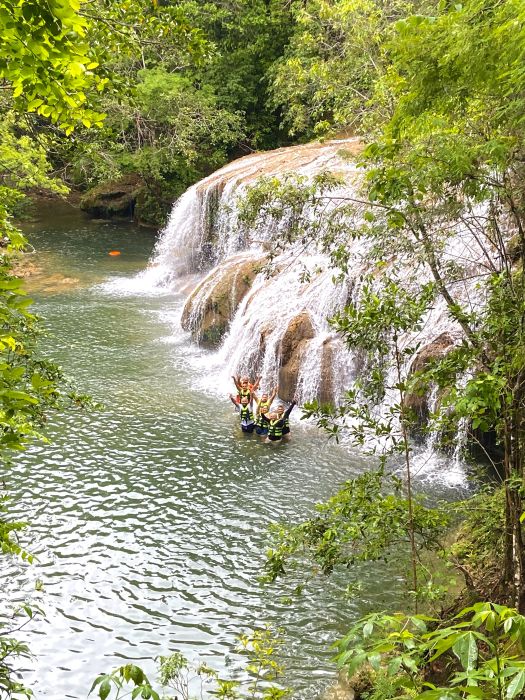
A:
264	407
245	392
246	414
275	428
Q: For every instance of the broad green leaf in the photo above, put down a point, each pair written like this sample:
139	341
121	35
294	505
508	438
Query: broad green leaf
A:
466	649
105	689
516	685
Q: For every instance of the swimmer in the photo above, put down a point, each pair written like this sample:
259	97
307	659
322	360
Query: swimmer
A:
244	387
245	408
277	422
286	425
263	406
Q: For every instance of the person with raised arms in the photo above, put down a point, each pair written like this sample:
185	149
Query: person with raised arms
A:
286	421
263	406
245	387
277	422
245	408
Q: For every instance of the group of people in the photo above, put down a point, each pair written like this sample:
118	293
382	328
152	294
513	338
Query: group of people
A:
273	426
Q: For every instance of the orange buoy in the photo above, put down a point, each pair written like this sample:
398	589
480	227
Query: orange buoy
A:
114	252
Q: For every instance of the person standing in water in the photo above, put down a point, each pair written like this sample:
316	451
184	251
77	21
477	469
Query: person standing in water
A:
245	408
263	406
286	421
245	387
277	422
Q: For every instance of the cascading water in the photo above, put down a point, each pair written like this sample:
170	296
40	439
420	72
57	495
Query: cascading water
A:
203	236
276	325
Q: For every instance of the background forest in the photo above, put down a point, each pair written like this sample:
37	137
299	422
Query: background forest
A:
186	86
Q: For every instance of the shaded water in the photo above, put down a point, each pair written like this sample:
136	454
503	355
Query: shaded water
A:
148	517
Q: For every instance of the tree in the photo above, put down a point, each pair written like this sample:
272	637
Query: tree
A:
46	61
186	89
452	155
325	80
248	36
166	130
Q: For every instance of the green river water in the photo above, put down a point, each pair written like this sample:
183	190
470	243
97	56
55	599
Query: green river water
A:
149	517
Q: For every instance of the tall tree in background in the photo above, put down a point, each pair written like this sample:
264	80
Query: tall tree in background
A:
177	109
325	79
452	155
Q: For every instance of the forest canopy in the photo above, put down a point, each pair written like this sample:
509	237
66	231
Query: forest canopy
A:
175	89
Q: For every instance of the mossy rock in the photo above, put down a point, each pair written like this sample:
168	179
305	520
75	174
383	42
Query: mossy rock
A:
211	306
113	199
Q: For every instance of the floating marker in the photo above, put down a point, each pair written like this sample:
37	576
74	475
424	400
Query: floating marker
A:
114	252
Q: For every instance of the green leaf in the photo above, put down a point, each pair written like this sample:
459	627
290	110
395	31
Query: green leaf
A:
96	682
105	689
466	649
516	685
393	666
368	629
472	691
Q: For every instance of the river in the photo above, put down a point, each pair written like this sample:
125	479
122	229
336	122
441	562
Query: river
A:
148	517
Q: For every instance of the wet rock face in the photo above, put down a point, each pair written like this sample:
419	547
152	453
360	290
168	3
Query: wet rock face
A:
326	392
436	349
299	328
114	199
416	403
293	345
289	373
213	303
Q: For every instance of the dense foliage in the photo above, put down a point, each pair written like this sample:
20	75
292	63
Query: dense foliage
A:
177	88
176	110
442	205
406	654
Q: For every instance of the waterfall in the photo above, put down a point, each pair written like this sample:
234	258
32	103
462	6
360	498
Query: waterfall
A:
276	325
203	241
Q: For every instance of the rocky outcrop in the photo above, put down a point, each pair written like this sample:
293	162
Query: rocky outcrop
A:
213	303
437	349
293	344
300	328
114	199
417	402
289	373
